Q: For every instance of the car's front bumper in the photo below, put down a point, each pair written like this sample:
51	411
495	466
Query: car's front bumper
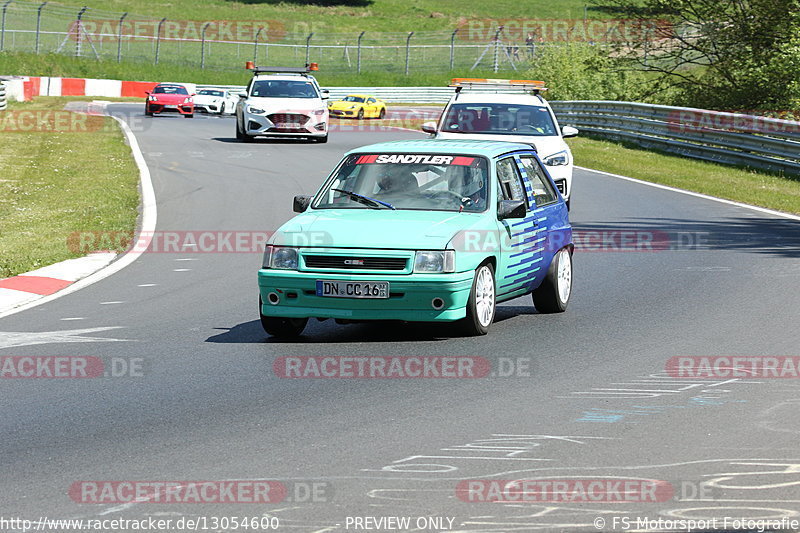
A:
410	296
184	109
261	125
562	176
342	112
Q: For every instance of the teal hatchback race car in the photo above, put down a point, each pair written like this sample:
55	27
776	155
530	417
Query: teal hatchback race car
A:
425	230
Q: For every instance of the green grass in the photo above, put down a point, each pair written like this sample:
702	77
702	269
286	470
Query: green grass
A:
302	16
772	191
27	64
56	183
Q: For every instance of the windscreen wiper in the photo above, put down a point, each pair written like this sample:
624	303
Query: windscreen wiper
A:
366	200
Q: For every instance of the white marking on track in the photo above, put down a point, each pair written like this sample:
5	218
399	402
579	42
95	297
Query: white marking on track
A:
147	285
181	269
112	303
74	318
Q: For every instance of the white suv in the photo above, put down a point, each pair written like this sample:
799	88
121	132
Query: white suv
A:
282	102
504	115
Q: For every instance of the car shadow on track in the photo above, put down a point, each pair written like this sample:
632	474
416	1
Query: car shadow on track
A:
263	140
762	235
377	331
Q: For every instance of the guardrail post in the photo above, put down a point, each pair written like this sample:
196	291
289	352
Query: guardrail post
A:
308	46
408	49
39	24
453	48
2	96
119	37
79	31
358	53
203	44
158	37
3	27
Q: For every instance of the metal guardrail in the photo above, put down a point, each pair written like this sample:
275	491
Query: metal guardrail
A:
3	102
730	138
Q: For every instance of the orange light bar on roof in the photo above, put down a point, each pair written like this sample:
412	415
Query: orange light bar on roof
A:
313	66
460	82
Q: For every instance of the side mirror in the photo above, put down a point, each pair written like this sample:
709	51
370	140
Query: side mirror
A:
301	203
147	93
325	94
242	94
429	127
569	131
511	209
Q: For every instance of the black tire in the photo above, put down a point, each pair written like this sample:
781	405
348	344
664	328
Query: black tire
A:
241	135
476	322
382	113
190	115
360	115
548	297
568	203
147	111
282	328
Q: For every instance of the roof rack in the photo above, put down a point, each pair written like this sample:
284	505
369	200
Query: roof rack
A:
532	85
281	70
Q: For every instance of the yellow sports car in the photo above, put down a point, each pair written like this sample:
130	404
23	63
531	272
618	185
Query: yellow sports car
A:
357	106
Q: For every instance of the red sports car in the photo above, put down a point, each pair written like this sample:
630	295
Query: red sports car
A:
169	97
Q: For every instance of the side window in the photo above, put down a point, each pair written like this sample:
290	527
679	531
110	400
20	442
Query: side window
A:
510	180
371	101
543	192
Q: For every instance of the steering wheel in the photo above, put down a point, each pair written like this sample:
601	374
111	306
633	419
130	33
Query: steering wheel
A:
446	194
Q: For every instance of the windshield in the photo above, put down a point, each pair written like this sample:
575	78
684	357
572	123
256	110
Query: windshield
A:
170	89
430	182
499	119
208	92
283	89
352	99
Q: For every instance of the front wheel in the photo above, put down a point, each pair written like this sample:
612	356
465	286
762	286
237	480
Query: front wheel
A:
482	302
189	115
360	114
282	328
552	296
382	113
147	111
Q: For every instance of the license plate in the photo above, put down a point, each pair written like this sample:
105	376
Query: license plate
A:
288	125
353	289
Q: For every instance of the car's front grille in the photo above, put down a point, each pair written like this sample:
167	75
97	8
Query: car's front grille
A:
288	118
561	185
355	262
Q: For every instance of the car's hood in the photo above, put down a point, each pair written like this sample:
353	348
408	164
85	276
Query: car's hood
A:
171	98
375	228
286	105
344	105
545	146
206	99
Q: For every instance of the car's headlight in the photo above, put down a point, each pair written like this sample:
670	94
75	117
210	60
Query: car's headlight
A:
255	110
279	257
152	98
435	261
557	159
187	100
319	112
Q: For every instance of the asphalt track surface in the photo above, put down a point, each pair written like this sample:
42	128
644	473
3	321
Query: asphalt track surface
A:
590	399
